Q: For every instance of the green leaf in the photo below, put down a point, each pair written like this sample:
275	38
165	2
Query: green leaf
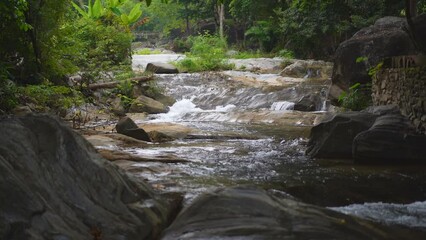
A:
361	59
135	14
79	10
116	11
148	2
90	10
125	19
113	3
97	9
355	86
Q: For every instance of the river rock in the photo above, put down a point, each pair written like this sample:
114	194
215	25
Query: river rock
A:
159	137
309	103
391	139
249	213
155	94
386	38
128	127
161	68
308	69
333	138
263	65
54	185
117	107
148	105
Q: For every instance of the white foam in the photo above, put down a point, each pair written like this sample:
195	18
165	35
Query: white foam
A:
178	110
280	106
412	215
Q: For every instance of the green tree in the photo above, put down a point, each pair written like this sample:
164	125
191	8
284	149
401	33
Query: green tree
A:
314	28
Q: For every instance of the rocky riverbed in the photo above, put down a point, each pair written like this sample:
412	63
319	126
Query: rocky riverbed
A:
225	131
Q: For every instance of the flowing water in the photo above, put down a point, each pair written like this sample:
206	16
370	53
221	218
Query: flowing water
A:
241	129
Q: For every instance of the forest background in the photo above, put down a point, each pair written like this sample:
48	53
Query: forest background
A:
43	42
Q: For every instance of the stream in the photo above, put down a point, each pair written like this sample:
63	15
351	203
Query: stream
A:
240	129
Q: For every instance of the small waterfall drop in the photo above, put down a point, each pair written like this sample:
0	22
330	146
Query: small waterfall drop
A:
281	106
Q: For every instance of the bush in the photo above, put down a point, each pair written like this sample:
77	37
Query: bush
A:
58	98
103	48
358	97
8	90
147	51
284	53
207	54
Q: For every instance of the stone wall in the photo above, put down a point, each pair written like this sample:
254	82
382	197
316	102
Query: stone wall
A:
406	88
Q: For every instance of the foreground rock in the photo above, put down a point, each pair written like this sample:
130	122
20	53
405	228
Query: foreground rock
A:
54	185
127	127
334	138
247	213
161	68
386	38
391	139
376	135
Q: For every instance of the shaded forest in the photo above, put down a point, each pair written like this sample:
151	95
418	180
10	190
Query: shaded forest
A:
48	41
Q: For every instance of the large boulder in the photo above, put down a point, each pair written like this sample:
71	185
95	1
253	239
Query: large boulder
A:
376	135
334	138
391	139
386	38
128	127
249	213
419	31
54	185
161	68
148	105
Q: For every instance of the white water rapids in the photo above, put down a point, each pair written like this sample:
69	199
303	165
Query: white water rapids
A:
247	133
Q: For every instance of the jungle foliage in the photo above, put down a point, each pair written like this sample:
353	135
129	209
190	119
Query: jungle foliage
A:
46	41
309	28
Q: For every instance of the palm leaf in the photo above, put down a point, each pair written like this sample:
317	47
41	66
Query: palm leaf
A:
79	10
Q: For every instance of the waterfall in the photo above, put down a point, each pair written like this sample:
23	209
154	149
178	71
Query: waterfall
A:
281	106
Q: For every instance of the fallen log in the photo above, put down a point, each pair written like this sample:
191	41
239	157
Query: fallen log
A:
114	84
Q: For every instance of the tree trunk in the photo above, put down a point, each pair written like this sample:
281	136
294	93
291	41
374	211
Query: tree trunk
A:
221	11
188	26
96	86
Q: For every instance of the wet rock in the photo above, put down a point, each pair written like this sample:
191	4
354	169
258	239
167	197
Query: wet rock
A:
157	136
117	107
386	38
309	103
390	140
333	138
117	155
308	69
154	94
263	65
54	185
173	130
127	127
148	105
249	213
376	135
161	68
